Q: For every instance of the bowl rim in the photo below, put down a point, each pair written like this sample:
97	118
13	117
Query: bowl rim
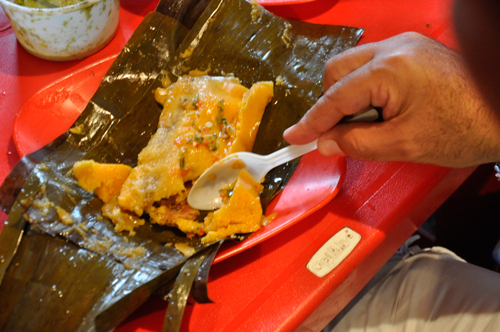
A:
49	11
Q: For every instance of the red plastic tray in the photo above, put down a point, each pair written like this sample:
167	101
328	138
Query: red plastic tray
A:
315	182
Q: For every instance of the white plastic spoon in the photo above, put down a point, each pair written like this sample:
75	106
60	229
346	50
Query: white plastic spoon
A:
204	194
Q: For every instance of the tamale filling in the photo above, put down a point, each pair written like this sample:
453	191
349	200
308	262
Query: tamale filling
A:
203	120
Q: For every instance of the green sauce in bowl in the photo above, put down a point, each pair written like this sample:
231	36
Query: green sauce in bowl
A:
47	3
69	30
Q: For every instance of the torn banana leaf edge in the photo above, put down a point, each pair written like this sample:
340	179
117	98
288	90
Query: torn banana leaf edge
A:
101	281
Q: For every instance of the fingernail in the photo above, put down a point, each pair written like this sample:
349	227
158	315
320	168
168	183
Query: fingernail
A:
330	148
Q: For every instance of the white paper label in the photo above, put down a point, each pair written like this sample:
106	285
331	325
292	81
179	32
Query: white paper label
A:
334	251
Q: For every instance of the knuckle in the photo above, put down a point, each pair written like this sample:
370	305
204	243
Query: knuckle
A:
411	35
395	62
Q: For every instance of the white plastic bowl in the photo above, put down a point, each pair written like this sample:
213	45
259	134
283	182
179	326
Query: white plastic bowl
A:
65	33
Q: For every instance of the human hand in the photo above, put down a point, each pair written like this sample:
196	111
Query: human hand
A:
431	109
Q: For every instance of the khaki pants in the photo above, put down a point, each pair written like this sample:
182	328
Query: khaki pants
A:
422	291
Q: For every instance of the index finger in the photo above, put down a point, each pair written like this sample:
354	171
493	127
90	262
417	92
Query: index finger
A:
356	92
346	62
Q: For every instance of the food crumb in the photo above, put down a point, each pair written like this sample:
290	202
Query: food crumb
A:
280	80
78	130
187	53
185	249
268	219
256	11
287	35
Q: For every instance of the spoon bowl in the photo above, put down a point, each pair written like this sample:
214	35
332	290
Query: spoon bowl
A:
204	194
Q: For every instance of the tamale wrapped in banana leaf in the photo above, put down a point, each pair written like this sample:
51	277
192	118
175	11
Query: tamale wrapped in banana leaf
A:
59	258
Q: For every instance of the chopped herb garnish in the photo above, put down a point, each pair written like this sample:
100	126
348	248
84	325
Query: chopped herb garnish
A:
220	114
230	130
226	192
196	100
213	145
182	161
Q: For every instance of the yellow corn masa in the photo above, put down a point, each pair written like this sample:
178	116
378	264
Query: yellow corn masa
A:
241	214
204	118
105	180
123	220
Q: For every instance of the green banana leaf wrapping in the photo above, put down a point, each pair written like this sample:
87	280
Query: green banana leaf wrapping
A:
85	276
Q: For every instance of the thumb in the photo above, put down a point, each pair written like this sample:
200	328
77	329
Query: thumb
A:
368	141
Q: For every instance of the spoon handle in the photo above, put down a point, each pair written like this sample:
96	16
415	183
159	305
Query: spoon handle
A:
289	153
293	151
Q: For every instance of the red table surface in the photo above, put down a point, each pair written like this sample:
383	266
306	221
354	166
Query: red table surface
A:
268	288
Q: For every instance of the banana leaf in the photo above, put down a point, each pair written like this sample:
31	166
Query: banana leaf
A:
67	286
83	277
244	40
